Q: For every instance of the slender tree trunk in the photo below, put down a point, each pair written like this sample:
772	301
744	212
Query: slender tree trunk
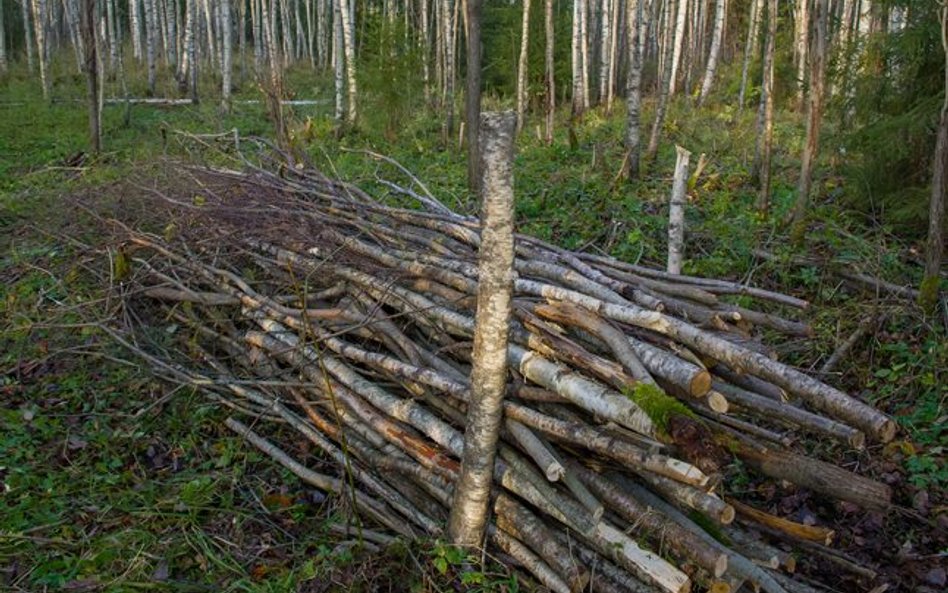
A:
113	34
801	45
348	46
473	94
310	33
39	26
151	25
185	64
92	74
209	26
676	212
814	117
425	48
715	53
489	368
549	66
934	248
447	33
579	104
665	90
584	52
633	98
522	66
27	33
678	44
322	31
72	10
192	48
765	133
225	55
605	40
171	20
750	47
338	61
3	45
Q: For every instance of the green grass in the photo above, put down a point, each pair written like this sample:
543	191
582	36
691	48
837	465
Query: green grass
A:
103	485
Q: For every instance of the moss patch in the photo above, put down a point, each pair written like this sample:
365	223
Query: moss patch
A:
658	405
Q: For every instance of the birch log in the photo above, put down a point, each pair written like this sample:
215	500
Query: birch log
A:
676	212
488	376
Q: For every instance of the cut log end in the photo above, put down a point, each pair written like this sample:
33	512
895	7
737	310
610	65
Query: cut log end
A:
700	384
717	402
720	566
726	516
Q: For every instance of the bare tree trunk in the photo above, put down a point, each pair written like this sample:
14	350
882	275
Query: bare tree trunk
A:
522	66
676	212
613	54
579	103
193	17
765	131
171	20
489	368
27	33
548	58
665	90
72	9
605	41
584	51
813	118
425	47
348	47
209	25
633	98
92	74
750	47
225	55
473	94
934	248
801	45
3	45
338	61
39	27
113	34
715	53
151	25
678	44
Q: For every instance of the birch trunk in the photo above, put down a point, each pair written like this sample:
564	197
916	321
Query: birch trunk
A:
548	58
151	24
447	32
348	46
577	58
225	55
472	97
338	61
765	130
193	17
934	248
209	26
522	66
676	213
605	40
171	20
750	47
801	45
39	33
584	51
92	74
310	33
489	372
677	45
425	48
113	34
634	90
813	117
72	9
184	66
715	53
27	33
322	32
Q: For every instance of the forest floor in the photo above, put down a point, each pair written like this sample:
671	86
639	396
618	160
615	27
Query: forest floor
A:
112	481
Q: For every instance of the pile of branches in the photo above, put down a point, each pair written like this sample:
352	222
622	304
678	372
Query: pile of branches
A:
315	311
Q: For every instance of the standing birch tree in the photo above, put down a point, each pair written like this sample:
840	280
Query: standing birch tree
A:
633	98
765	128
522	66
489	359
549	67
715	53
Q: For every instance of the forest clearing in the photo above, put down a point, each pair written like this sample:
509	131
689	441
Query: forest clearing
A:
670	316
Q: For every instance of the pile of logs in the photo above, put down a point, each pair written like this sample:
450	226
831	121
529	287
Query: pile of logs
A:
315	311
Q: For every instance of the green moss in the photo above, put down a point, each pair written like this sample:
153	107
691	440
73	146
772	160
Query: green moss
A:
659	406
710	527
928	293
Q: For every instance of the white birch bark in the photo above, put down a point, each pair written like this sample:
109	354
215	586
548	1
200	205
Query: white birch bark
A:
225	54
605	40
323	20
39	33
209	25
584	51
577	57
184	65
676	212
715	52
113	35
338	61
548	58
72	16
192	48
634	89
310	33
750	47
348	46
489	368
801	45
678	44
522	66
613	54
766	129
151	24
27	33
425	48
